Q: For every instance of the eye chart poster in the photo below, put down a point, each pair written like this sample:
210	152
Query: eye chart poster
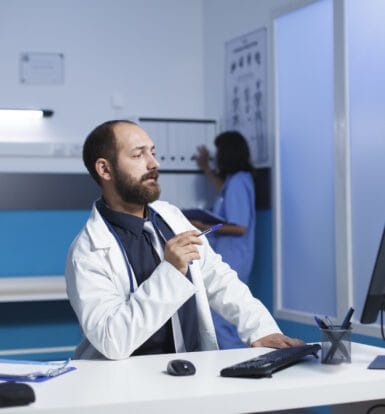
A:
246	90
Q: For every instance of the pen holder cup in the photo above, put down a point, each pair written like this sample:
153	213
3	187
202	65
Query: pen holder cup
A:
336	345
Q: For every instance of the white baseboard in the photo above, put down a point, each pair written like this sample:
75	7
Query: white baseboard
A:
29	351
32	288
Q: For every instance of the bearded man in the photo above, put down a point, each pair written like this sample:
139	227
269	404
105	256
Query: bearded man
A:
139	276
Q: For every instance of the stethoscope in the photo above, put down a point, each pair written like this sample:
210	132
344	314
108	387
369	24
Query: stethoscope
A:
152	217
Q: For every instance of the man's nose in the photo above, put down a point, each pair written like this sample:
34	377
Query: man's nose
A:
152	162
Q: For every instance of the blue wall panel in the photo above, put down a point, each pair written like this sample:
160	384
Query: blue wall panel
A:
305	143
36	242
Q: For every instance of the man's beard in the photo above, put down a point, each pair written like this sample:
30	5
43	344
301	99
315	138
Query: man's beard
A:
134	191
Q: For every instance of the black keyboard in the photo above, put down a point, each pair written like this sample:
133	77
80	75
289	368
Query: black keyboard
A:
264	365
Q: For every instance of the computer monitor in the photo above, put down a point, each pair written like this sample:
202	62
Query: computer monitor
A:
375	297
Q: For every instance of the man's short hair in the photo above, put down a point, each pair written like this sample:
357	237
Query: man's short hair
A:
101	143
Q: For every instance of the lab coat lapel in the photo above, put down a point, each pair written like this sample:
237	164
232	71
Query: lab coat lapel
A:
102	239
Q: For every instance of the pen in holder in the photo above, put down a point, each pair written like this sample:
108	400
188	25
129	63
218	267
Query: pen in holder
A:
336	345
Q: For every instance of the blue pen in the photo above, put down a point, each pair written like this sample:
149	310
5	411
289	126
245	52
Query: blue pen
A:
210	229
320	323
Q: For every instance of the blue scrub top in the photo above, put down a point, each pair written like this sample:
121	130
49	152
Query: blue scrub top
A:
236	203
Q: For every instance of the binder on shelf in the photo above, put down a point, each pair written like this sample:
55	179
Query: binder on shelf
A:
203	215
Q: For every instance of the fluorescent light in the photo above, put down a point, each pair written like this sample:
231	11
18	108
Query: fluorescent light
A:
10	115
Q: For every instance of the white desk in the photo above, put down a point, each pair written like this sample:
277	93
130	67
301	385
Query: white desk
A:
139	385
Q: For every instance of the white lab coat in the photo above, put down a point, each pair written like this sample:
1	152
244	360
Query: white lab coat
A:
115	321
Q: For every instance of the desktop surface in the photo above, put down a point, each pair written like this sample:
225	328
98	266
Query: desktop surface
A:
140	384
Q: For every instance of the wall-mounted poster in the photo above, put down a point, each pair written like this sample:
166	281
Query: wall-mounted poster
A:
246	90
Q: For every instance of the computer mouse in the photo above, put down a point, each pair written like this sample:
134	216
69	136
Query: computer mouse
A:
180	367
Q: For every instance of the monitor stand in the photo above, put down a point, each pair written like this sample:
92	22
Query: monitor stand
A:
378	362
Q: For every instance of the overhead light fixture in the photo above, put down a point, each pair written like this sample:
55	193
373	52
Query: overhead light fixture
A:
24	114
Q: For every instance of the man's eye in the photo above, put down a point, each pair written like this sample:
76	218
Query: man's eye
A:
137	155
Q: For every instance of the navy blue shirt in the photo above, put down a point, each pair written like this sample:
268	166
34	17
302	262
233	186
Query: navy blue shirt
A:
144	259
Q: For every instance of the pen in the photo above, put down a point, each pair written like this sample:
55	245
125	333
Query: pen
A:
320	323
210	229
346	321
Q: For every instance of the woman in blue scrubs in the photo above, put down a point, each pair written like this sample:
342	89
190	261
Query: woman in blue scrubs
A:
235	183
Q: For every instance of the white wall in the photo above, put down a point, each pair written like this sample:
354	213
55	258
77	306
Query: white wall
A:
163	58
224	20
148	51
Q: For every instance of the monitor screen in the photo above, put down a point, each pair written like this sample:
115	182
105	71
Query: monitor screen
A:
376	293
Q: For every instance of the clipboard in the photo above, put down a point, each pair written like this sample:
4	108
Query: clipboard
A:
203	215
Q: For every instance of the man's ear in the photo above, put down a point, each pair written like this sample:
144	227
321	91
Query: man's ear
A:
103	168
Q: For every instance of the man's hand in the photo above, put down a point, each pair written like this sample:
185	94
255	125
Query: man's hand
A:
277	340
181	250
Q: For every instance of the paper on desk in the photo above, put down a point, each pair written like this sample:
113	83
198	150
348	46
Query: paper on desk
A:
18	368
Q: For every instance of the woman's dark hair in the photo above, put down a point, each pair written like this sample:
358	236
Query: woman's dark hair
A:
101	143
233	153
